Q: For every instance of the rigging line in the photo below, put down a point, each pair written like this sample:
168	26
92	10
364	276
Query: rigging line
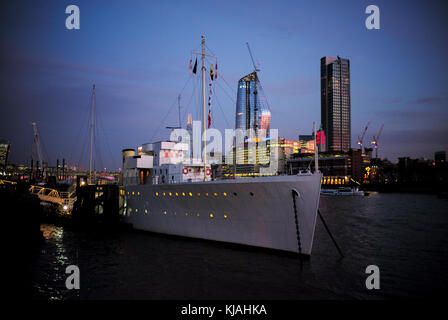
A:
187	107
228	96
211	51
220	107
96	139
169	110
231	89
78	136
84	146
102	127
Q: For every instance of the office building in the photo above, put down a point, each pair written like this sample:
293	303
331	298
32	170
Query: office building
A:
335	103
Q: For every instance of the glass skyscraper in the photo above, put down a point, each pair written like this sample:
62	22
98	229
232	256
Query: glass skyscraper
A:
335	103
252	111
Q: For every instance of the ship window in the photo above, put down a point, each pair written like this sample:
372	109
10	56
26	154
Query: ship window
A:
138	193
164	212
225	216
206	194
252	194
157	194
164	194
136	210
211	215
190	194
183	194
177	194
215	194
234	193
199	194
186	213
133	192
146	211
198	214
170	194
224	194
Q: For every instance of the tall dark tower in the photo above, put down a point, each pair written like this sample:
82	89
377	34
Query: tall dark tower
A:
335	102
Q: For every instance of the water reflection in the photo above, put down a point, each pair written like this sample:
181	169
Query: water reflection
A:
394	231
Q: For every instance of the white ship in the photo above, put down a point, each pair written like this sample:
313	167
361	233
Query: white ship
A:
163	193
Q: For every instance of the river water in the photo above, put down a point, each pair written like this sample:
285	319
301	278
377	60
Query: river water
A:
405	235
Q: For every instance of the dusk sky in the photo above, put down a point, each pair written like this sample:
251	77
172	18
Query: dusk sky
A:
137	54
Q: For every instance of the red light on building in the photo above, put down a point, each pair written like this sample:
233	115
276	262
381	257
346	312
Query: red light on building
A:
320	138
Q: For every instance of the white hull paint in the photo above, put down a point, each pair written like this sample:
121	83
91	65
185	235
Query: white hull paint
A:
256	212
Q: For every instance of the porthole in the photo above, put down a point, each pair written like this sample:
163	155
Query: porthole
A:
252	194
234	194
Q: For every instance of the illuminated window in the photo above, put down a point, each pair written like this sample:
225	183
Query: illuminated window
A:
199	194
224	194
136	210
215	194
211	215
190	194
183	194
146	211
170	194
186	213
138	193
177	194
206	194
225	216
164	212
157	194
198	214
133	193
164	194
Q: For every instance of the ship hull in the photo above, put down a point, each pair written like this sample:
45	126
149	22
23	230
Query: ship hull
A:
256	212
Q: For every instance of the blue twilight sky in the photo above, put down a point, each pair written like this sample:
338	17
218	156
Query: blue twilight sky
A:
137	53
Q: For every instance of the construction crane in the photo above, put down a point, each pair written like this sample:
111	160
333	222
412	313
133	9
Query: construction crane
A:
362	135
375	140
252	57
255	89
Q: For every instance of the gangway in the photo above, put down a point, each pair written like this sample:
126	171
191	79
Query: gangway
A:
65	200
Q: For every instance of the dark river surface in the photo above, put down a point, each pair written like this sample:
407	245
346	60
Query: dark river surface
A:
405	235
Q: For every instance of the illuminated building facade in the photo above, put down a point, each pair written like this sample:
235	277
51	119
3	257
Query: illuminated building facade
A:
307	144
335	103
252	111
4	151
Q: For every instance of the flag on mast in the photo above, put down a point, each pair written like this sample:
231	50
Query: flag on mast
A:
216	70
195	66
211	71
189	68
209	118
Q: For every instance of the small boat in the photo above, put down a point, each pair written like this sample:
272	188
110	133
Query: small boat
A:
342	191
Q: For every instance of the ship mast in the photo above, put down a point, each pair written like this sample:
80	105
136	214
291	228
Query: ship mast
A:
204	135
91	135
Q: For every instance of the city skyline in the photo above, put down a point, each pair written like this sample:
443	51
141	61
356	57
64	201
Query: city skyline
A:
397	72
